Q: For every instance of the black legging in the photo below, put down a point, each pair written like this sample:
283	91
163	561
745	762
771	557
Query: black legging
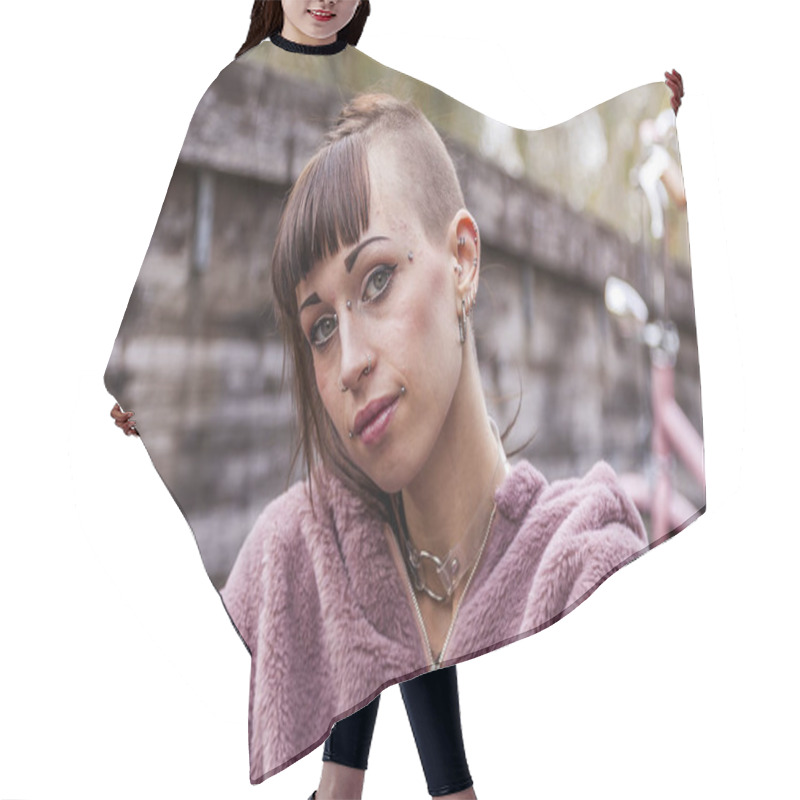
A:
432	706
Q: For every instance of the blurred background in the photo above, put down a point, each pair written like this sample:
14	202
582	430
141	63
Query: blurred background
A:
115	647
198	356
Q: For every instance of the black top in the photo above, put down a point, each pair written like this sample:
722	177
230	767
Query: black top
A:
309	49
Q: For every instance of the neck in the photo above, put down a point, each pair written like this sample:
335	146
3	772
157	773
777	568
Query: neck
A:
453	494
293	34
336	46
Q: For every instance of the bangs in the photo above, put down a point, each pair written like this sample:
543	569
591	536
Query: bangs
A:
327	209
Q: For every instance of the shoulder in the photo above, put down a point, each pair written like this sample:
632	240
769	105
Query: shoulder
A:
585	529
594	501
292	521
573	506
275	555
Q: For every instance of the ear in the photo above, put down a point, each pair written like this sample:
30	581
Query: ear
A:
464	247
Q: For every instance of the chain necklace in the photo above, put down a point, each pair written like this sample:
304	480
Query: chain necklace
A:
462	558
439	660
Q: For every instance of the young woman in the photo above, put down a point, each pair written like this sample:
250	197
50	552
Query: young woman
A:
391	410
315	29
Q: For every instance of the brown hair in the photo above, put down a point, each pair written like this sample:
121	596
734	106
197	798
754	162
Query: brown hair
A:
266	19
328	209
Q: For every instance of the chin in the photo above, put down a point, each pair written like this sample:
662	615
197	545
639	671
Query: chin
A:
389	481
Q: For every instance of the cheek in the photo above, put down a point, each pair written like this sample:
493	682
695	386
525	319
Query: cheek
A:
328	389
435	308
431	324
295	11
324	386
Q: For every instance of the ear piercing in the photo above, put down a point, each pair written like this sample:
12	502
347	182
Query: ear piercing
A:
472	300
462	240
460	270
468	305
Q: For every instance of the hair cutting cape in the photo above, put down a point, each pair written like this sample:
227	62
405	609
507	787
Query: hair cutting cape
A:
586	322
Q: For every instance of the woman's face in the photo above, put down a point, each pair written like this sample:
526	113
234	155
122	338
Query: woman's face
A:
316	22
396	349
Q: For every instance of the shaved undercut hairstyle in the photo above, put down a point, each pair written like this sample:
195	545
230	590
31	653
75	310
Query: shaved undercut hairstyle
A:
327	210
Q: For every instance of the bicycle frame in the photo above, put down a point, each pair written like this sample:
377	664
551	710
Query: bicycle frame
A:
672	431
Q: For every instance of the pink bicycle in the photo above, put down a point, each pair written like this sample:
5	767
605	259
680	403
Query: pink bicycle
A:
672	432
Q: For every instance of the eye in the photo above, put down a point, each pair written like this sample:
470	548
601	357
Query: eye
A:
378	282
322	330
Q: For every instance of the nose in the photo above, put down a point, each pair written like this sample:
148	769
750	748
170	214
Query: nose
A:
356	360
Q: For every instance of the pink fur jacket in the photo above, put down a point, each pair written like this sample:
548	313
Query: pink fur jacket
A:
329	621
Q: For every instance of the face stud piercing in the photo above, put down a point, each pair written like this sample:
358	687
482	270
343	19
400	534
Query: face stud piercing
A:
410	256
349	305
342	387
350	434
402	390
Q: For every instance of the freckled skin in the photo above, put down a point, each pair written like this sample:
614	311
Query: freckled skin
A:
411	335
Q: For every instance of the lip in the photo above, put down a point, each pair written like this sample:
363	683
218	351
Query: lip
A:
321	16
371	411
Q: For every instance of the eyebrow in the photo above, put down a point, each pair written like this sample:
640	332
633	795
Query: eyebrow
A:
349	262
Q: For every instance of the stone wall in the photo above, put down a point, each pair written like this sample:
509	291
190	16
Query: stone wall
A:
200	361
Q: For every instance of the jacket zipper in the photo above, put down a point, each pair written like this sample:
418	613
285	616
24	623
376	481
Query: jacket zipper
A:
421	623
466	589
437	663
